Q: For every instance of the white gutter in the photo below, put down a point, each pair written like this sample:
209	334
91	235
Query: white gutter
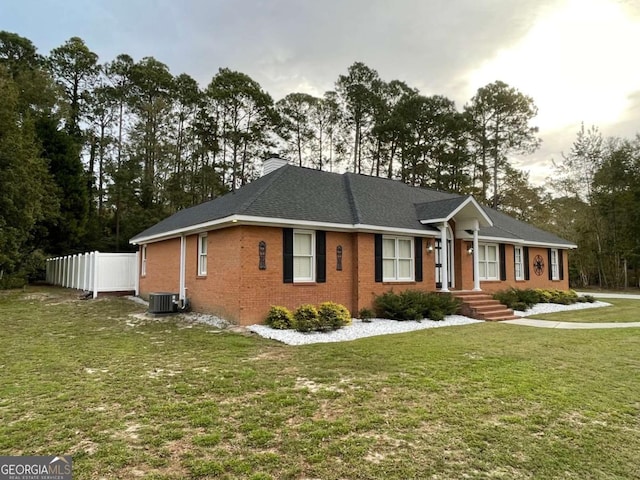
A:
527	243
339	227
277	222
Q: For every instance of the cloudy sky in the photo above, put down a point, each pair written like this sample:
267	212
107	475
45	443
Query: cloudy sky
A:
578	59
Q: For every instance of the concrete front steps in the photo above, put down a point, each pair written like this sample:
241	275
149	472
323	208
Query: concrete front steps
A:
482	306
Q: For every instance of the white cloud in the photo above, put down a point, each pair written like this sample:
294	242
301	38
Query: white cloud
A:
577	62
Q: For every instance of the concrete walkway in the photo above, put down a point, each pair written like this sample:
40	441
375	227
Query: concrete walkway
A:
630	296
530	322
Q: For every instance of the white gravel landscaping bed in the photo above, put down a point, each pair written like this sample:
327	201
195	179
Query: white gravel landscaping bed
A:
358	329
378	326
554	307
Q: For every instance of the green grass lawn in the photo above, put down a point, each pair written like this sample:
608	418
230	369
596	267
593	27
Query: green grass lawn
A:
163	399
623	310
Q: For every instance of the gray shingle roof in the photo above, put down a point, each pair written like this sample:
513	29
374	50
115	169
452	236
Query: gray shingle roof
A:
438	209
505	226
294	193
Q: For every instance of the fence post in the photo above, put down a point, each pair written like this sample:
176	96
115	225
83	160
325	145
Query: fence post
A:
79	271
76	268
96	286
85	280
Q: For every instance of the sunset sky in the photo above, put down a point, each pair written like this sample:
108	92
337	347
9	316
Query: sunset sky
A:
578	59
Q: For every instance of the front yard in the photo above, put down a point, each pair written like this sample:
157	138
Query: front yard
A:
164	399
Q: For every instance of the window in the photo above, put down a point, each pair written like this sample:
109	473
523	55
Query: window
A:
303	261
202	254
518	260
488	261
143	263
397	259
555	268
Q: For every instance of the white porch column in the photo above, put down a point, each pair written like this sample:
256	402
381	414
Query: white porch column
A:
444	269
476	264
183	266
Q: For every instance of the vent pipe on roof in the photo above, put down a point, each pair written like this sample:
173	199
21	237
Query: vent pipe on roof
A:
272	164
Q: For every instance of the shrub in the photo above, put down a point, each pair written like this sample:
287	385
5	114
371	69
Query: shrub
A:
306	318
545	296
366	314
587	299
517	299
415	305
279	318
332	316
520	306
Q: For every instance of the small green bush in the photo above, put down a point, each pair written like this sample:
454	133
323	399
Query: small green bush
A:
523	299
279	318
518	299
366	314
306	318
520	306
333	316
415	305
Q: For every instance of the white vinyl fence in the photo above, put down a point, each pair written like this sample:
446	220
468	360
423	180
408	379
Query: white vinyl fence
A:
95	272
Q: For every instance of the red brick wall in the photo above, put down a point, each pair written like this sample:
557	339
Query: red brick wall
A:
237	290
534	281
464	265
259	289
368	288
163	268
217	292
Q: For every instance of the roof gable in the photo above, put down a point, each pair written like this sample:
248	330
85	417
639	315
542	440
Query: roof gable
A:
462	208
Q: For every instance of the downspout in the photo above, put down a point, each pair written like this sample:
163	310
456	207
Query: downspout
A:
137	282
183	266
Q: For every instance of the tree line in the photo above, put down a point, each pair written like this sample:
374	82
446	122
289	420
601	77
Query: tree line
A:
92	153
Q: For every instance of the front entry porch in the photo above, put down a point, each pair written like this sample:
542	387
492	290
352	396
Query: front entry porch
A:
482	306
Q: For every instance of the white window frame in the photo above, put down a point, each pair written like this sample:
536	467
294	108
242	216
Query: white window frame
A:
395	277
518	262
555	267
486	262
202	254
309	257
143	260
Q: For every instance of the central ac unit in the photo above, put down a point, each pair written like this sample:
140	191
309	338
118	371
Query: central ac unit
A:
163	302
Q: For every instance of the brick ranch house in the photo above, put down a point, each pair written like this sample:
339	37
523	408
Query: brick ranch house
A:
298	235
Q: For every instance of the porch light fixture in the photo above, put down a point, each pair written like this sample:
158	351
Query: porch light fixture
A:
469	248
429	246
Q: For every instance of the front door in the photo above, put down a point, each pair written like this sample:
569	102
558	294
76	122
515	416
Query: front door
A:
438	250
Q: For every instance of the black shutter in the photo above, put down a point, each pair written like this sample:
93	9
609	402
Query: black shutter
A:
503	262
560	265
321	256
549	264
287	255
418	258
378	257
526	263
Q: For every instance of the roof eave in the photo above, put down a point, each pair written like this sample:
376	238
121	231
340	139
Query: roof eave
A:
234	220
525	242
